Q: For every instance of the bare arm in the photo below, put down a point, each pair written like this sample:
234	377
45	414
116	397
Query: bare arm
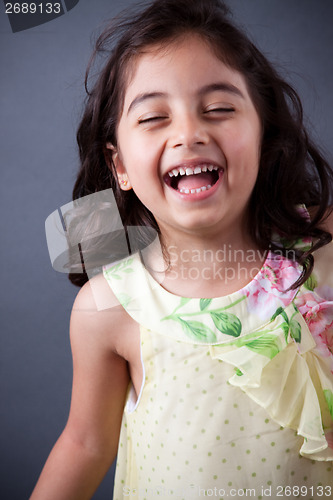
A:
88	445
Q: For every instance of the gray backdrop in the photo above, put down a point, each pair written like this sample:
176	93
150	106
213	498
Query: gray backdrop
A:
41	92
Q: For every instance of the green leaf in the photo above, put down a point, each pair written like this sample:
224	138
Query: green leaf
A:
238	372
311	283
266	346
295	330
329	400
285	328
198	331
120	267
124	299
281	311
183	301
276	314
204	303
227	323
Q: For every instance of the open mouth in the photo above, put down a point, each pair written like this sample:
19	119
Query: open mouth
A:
189	180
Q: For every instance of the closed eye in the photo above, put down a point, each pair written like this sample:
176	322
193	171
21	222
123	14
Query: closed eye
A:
219	110
151	119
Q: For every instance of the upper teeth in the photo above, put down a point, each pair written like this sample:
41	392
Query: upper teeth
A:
192	171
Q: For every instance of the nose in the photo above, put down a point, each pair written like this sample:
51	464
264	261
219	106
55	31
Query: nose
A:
188	130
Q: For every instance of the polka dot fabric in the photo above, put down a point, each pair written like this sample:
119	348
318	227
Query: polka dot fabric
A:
193	432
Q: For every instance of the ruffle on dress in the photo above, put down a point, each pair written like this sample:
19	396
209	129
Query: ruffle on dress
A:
285	375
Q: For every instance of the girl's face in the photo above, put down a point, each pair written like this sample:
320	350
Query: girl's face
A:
189	139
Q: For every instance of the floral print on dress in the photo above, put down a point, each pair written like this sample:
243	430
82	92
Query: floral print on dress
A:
269	289
225	322
317	310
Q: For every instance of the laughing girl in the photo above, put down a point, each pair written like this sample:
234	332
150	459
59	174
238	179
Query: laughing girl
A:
211	373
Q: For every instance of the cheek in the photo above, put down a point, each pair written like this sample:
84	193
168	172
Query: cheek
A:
244	147
142	165
243	157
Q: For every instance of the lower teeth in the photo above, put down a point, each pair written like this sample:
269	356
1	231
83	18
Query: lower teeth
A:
198	190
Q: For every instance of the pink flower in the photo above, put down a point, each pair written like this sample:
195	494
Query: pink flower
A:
267	291
327	337
318	314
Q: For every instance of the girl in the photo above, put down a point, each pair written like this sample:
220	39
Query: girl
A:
226	345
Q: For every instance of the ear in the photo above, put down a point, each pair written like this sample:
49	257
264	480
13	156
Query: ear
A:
123	179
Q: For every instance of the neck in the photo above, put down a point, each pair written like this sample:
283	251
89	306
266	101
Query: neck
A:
211	266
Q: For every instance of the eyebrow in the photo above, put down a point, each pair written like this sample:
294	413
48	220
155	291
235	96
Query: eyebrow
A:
221	87
144	97
206	89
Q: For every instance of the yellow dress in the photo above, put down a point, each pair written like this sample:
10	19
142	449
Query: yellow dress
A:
237	394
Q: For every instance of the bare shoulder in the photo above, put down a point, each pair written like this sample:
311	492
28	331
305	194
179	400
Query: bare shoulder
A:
98	316
95	295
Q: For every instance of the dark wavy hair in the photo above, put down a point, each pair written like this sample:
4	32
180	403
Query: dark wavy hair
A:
292	169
